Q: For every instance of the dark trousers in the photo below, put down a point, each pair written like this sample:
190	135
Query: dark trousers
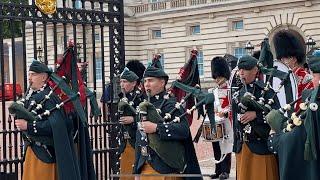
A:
223	166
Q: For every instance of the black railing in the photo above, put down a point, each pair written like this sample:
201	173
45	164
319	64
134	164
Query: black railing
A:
45	37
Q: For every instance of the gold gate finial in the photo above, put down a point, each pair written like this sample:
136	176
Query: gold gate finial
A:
47	6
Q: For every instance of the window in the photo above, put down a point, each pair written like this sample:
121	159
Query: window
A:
237	25
239	52
156	34
200	63
195	29
97	37
98	69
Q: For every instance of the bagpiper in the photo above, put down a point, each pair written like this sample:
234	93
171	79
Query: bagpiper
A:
253	159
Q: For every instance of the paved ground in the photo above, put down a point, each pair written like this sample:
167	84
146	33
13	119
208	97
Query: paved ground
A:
207	168
205	155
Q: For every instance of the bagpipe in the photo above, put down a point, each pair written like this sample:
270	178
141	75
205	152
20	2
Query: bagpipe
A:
163	149
126	108
275	74
32	115
69	89
188	98
278	120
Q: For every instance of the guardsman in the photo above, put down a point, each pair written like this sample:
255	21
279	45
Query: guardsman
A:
291	52
253	159
167	147
298	147
131	94
221	73
54	157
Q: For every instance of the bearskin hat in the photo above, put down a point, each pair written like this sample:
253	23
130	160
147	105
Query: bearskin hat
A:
137	67
256	54
287	44
220	67
231	60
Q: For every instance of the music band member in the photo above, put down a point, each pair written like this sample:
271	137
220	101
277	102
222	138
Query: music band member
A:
138	68
253	159
221	73
173	138
299	149
54	157
291	52
128	83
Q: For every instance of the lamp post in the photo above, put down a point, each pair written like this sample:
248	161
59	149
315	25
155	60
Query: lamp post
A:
310	43
249	48
39	52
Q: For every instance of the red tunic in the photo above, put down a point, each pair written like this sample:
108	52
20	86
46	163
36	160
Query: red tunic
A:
224	100
302	82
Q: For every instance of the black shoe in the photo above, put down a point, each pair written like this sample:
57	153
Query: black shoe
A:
224	175
214	176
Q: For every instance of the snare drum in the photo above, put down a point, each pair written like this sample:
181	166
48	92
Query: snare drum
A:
207	131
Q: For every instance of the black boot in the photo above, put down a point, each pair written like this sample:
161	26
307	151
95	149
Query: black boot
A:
224	175
214	176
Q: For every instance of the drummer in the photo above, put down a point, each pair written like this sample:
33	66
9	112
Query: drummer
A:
253	159
221	73
291	52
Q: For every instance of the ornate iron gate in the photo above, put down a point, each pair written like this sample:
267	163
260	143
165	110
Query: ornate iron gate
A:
26	32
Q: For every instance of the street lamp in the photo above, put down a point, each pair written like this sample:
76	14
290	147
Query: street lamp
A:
249	48
310	43
39	51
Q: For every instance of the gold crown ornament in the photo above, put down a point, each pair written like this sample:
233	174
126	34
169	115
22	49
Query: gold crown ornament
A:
47	6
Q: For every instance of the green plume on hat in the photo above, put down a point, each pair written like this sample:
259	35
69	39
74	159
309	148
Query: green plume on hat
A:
128	75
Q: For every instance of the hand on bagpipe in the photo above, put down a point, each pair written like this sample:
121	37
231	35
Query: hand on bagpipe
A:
279	122
164	147
31	115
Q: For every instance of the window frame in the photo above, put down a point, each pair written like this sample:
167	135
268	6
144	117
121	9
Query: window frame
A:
191	27
232	23
97	37
152	33
232	46
194	28
100	68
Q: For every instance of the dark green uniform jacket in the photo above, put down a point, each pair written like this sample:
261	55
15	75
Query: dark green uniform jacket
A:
168	132
131	128
257	139
290	147
57	128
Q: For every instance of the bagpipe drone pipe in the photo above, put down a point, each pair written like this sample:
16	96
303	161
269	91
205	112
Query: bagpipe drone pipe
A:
66	84
188	98
271	74
163	148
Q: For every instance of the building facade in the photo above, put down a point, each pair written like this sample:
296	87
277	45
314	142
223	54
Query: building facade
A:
215	27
